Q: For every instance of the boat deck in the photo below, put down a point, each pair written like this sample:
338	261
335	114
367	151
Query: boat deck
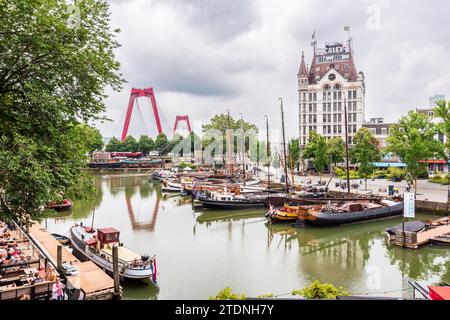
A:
440	228
93	281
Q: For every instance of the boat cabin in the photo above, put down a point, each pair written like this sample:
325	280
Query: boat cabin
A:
107	235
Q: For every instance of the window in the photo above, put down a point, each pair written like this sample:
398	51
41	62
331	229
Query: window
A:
337	86
354	106
354	117
373	131
310	107
354	94
354	128
334	129
339	117
310	96
324	130
310	118
326	87
349	94
383	130
324	107
329	129
329	95
339	106
329	118
314	107
315	96
314	118
304	96
339	95
334	95
334	106
335	117
339	129
324	118
329	106
324	96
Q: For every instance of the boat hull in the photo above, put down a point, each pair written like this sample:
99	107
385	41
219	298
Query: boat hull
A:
230	205
323	219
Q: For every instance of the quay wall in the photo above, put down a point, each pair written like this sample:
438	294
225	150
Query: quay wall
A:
424	205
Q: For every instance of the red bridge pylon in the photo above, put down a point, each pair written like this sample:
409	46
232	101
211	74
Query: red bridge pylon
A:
136	93
182	118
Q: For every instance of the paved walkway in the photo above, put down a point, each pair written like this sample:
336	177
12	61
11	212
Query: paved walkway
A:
425	190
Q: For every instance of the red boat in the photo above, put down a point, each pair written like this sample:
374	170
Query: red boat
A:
65	205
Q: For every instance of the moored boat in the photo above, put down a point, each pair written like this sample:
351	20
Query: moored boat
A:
96	245
66	204
171	186
231	201
336	213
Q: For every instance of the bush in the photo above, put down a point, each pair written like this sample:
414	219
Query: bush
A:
379	173
319	290
442	179
226	294
342	174
396	173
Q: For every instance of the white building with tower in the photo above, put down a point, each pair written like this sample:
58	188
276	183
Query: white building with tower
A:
325	87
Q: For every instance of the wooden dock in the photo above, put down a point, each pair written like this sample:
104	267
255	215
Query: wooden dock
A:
439	228
90	282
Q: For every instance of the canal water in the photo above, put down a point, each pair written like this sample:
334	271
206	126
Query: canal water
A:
199	252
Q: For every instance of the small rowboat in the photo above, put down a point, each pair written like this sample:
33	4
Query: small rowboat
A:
61	239
66	205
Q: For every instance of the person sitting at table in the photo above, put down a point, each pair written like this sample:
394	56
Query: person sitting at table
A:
51	274
37	278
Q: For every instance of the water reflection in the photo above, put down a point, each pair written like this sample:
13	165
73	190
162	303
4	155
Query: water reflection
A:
346	255
200	251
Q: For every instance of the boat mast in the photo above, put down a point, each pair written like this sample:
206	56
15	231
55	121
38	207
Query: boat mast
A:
346	145
284	146
267	151
93	215
243	148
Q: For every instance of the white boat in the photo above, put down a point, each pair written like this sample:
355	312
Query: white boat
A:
171	186
96	245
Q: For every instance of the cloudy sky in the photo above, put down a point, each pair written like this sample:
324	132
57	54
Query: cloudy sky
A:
205	56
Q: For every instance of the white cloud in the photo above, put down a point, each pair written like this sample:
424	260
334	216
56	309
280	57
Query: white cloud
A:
203	57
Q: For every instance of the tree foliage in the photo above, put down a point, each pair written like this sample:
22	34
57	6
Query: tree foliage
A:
52	76
227	294
145	144
294	152
336	150
442	111
317	151
413	140
364	152
319	290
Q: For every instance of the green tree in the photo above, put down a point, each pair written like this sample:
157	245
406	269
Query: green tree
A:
294	152
146	144
162	143
317	151
364	152
442	111
222	122
412	140
113	145
130	144
52	76
336	150
91	136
